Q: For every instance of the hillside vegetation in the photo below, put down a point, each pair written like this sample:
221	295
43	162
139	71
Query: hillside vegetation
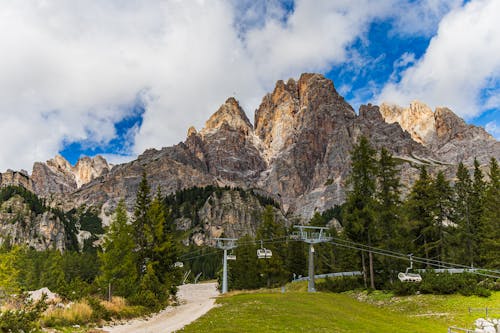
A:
298	311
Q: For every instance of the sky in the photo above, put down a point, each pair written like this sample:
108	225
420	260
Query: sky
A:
116	77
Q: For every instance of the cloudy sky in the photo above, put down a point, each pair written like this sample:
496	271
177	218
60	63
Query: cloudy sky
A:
87	77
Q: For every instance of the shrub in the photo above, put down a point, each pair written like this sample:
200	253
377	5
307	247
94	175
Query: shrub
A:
340	284
99	312
25	319
443	284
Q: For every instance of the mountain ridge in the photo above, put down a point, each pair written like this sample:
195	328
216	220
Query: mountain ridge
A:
297	151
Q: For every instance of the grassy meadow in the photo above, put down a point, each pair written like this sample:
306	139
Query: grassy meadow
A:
299	311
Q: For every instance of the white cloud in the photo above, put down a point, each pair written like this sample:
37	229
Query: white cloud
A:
421	17
458	63
406	59
69	67
493	128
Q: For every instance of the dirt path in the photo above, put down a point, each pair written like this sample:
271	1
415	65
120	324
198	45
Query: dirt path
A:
195	300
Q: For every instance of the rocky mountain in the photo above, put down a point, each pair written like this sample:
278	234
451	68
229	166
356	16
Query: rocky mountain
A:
59	176
20	224
443	132
297	152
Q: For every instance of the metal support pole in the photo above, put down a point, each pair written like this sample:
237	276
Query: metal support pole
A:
310	285
225	244
312	235
224	273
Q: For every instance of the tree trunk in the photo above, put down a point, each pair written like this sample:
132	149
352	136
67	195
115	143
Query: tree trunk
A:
364	269
370	259
372	275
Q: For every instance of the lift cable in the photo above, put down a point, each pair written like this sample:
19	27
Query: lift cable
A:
433	262
404	257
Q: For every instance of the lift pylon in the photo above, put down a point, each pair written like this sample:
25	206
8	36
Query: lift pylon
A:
311	235
225	244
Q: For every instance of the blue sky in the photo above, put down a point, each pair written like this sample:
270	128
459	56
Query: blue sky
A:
117	77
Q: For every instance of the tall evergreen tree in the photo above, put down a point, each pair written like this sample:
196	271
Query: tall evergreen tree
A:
245	272
118	261
462	212
443	200
420	208
161	246
272	268
490	220
388	199
9	270
359	213
142	225
388	203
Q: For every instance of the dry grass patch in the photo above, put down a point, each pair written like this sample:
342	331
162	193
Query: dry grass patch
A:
79	313
117	304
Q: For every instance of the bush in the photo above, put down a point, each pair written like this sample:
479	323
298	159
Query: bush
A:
444	284
25	319
340	284
99	312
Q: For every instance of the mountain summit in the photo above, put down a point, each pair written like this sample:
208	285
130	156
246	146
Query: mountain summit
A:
297	152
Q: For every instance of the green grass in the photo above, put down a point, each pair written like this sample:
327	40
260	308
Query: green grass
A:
299	311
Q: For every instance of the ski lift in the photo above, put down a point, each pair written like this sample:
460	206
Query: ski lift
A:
409	277
231	256
263	253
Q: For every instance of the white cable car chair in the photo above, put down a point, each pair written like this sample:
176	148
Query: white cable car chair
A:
263	253
409	277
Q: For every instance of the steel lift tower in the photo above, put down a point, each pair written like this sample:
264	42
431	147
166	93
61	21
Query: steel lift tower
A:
311	235
225	244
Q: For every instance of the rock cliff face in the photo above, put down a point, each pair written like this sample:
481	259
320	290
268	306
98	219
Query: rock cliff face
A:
16	178
443	132
228	214
20	225
57	176
297	152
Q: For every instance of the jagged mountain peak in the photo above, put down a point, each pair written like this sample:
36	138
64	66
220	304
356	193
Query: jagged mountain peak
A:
229	114
57	175
59	163
418	120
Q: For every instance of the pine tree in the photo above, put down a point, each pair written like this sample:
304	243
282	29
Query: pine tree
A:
9	270
388	205
420	208
118	261
476	205
272	268
296	258
462	209
142	225
388	199
359	212
161	246
490	220
245	272
52	275
443	200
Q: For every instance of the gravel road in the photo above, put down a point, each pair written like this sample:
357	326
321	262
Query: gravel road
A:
195	301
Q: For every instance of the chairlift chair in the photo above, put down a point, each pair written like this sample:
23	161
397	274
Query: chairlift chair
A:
409	277
263	253
231	256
